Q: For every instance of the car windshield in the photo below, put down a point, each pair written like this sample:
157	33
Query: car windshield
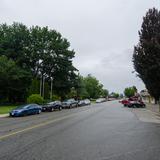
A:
68	100
51	102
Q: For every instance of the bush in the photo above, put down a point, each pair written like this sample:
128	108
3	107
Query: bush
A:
35	98
56	98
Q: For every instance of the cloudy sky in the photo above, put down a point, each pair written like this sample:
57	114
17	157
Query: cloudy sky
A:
102	32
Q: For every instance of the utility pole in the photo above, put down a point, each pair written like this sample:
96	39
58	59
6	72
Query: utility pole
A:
40	90
43	86
51	88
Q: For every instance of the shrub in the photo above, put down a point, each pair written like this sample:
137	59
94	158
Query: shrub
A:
56	98
35	98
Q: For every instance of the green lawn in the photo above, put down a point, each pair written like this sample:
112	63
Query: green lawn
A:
93	101
6	109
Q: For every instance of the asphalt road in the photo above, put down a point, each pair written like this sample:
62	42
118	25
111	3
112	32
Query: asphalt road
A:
105	131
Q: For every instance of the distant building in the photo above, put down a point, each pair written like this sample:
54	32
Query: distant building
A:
146	96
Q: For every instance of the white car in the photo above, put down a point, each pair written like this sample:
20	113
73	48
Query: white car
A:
100	100
87	102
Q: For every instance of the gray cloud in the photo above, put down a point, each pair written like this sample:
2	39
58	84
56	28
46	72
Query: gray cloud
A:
102	32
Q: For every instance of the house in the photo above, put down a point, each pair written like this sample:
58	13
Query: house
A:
146	96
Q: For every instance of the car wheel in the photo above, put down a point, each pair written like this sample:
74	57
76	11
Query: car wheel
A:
39	111
52	109
135	106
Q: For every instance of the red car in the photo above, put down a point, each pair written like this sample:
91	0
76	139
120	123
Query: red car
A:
136	104
125	102
133	102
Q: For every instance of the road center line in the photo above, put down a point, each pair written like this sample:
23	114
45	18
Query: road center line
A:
39	125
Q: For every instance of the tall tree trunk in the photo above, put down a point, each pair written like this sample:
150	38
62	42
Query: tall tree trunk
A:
156	100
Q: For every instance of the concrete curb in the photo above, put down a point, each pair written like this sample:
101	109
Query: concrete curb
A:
4	115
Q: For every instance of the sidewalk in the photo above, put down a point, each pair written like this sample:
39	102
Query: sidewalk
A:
149	114
153	107
4	115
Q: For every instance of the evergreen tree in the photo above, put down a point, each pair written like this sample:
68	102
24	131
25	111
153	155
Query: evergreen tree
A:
146	57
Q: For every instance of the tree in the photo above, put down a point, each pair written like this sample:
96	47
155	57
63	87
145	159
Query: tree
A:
42	51
14	81
80	88
93	87
135	89
114	95
35	98
89	87
146	57
105	92
14	43
34	87
129	92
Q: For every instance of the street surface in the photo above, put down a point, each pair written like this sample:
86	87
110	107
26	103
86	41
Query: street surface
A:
105	131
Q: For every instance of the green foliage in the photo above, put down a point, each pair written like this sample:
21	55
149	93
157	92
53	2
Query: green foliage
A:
146	57
38	51
105	92
93	87
81	88
56	98
14	81
32	53
35	98
114	95
130	91
73	93
35	87
87	87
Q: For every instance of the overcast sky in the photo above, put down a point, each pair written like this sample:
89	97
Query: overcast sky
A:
102	32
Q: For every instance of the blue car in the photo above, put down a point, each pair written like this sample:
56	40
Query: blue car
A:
28	109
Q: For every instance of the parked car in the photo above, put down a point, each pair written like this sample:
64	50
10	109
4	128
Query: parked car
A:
70	103
81	103
52	106
136	104
84	102
125	102
87	102
100	100
28	109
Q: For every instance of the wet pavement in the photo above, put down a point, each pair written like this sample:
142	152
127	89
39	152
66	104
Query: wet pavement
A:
105	131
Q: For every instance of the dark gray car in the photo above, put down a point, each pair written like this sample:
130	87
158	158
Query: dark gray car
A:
70	103
52	106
